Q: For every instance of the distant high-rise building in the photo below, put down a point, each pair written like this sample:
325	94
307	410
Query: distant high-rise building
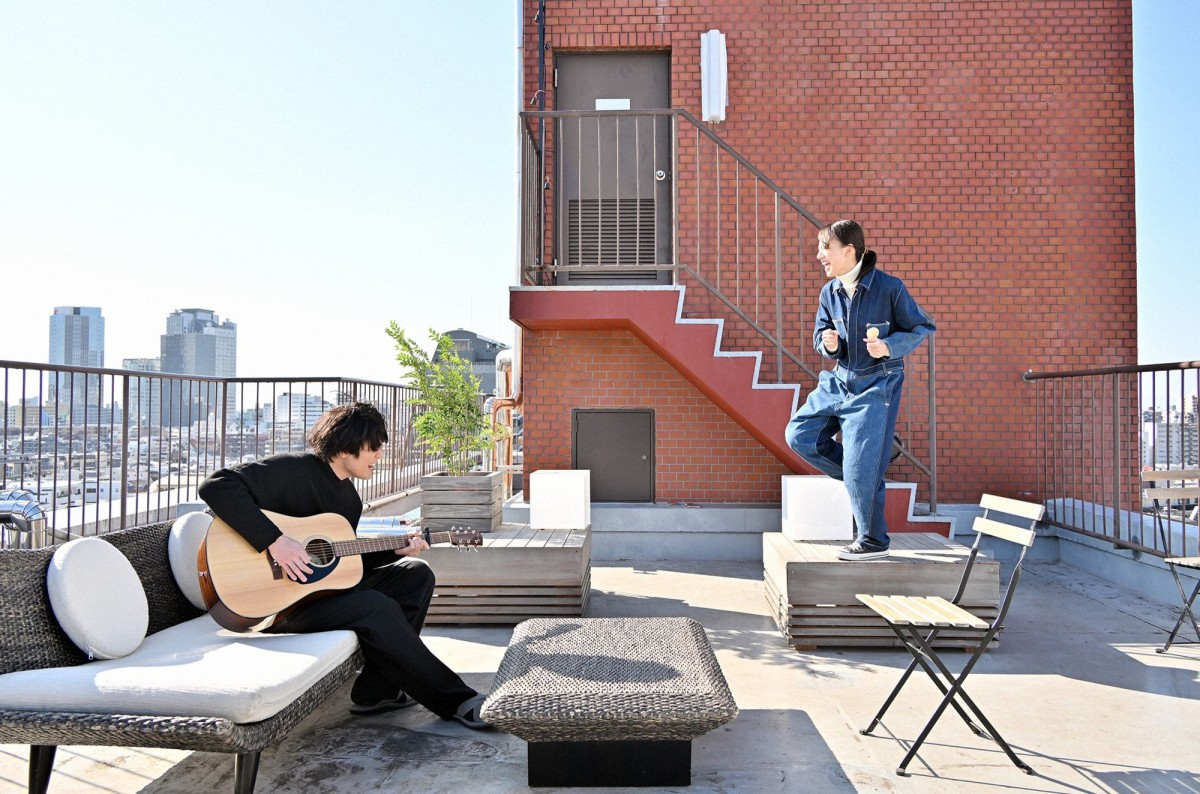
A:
145	394
76	340
292	415
480	352
197	343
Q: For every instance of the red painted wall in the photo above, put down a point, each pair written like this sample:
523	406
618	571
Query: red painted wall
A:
987	149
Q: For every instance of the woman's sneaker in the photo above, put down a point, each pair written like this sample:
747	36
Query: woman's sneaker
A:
863	550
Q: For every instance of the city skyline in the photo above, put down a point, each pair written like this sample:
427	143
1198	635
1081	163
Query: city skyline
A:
313	180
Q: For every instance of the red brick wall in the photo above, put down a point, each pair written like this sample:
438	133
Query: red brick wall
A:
986	147
701	454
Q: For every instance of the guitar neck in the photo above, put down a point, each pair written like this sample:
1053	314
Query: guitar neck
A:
349	548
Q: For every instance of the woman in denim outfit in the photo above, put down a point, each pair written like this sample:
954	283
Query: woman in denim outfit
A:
867	322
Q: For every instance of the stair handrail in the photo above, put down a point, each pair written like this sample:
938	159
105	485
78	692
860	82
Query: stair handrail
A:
749	166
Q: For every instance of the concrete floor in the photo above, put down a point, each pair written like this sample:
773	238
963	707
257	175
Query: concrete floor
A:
1076	688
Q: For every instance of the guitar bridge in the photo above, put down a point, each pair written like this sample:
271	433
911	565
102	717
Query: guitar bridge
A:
276	568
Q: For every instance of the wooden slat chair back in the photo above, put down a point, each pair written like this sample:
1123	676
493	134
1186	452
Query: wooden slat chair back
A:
1158	487
917	620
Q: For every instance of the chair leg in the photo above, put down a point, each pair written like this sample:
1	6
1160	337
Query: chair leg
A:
895	691
1185	613
245	772
949	698
914	648
41	764
949	676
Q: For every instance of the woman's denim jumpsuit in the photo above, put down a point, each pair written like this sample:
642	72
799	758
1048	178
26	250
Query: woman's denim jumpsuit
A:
861	395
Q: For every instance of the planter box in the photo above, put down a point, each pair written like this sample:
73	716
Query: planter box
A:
474	500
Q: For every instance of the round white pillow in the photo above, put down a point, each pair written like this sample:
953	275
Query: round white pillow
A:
97	598
187	533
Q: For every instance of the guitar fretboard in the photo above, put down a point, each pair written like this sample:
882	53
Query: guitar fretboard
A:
348	548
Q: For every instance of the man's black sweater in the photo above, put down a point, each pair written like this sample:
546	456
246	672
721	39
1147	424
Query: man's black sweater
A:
298	485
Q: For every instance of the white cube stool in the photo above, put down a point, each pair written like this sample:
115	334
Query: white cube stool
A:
560	499
816	507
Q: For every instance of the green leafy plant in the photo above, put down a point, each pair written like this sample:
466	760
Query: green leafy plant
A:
450	420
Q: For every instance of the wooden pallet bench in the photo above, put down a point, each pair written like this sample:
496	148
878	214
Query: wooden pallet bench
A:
811	591
519	573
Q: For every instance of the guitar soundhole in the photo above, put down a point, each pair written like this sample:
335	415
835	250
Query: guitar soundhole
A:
320	551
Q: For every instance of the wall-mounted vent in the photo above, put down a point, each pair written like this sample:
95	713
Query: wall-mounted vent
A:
611	232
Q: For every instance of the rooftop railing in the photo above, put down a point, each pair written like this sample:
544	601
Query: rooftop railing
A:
655	196
105	449
1099	429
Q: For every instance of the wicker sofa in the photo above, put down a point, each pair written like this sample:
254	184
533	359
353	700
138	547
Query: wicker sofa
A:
32	640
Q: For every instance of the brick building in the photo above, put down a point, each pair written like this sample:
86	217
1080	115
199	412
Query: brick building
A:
986	148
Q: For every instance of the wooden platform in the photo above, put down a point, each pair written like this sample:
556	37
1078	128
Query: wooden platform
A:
811	591
519	573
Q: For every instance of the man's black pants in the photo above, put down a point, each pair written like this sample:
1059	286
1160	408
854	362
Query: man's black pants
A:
387	611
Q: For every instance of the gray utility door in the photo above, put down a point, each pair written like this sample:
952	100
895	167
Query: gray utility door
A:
617	446
614	171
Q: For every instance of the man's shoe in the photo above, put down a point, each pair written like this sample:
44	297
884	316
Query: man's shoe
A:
468	713
858	550
401	701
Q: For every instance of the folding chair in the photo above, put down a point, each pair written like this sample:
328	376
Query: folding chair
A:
917	621
1168	494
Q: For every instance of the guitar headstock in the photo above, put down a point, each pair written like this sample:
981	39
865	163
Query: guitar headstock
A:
466	538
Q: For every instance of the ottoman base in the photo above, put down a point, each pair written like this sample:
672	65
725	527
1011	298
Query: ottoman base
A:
614	763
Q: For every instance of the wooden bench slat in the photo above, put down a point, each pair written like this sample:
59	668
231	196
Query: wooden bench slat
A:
921	611
1166	494
956	615
1014	507
894	609
1184	562
987	526
940	612
1171	474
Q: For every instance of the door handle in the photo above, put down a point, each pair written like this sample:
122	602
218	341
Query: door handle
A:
660	175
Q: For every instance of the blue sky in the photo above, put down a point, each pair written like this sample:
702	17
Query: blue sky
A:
313	170
1166	86
309	170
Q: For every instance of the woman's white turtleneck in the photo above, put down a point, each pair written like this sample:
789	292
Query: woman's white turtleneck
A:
850	280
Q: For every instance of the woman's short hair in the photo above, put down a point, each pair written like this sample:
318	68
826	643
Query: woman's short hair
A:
348	428
846	232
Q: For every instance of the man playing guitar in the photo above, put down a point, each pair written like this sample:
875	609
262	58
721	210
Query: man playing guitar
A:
387	609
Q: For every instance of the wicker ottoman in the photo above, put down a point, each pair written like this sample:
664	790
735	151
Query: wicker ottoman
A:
609	701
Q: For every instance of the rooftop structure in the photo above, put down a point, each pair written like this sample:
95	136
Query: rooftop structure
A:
1075	686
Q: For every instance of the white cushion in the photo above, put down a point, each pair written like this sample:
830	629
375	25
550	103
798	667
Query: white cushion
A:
193	669
187	533
97	598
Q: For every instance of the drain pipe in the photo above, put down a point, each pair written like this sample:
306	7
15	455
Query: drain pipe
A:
20	510
505	364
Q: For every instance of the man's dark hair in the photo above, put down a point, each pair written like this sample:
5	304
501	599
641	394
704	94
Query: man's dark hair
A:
347	428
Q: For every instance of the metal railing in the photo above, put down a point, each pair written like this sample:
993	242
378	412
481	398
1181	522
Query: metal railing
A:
1099	429
741	244
105	449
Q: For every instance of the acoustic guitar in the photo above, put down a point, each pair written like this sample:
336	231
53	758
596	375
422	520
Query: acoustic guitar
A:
243	588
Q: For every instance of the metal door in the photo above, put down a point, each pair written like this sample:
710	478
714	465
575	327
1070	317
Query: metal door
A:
614	168
617	446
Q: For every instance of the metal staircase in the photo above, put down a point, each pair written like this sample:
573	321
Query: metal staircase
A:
736	321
